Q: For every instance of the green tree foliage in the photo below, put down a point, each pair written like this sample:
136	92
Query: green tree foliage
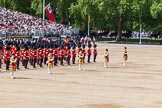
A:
36	7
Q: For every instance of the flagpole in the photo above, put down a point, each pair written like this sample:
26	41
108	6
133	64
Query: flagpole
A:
140	21
88	23
43	10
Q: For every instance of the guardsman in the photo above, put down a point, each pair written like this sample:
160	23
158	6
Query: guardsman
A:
46	54
30	51
84	53
13	49
38	60
50	49
12	66
55	55
67	41
73	52
26	57
22	54
65	52
94	53
4	48
79	48
68	55
40	55
34	56
50	63
1	56
58	50
125	56
7	57
80	60
89	53
17	57
106	58
61	55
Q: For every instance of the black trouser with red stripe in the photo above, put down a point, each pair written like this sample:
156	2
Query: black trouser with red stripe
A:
40	62
68	60
17	64
94	58
25	63
7	64
0	63
22	61
31	61
34	62
61	61
89	56
55	61
45	60
73	60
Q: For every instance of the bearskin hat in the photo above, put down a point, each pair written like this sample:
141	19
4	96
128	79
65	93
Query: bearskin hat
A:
8	48
68	47
26	48
79	45
89	45
17	48
1	47
41	46
34	47
95	45
73	47
1	42
62	47
56	46
84	46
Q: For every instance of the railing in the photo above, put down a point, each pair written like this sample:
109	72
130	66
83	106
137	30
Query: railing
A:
5	33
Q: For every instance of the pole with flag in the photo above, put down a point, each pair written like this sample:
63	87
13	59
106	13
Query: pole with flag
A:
89	20
49	13
43	9
140	22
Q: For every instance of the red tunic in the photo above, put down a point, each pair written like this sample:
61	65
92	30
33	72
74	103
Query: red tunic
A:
50	51
46	53
13	50
21	52
7	56
34	54
55	53
68	53
26	55
17	56
1	53
61	53
73	52
4	49
89	52
40	53
95	51
78	51
84	52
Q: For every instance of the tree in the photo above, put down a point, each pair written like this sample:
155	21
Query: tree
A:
156	13
115	15
37	7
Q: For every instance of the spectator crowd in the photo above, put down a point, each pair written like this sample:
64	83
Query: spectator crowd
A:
17	23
